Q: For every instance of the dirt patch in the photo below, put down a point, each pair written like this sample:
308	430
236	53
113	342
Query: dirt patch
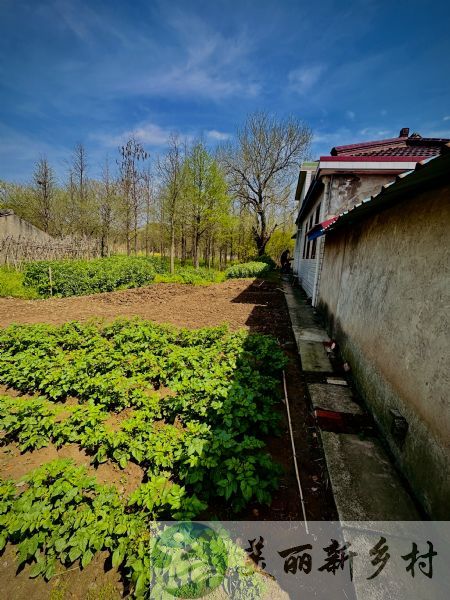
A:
12	393
182	305
92	583
114	421
15	465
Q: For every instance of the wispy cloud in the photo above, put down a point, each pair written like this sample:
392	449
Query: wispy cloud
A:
376	132
150	134
218	136
301	80
82	20
26	150
323	140
350	114
153	135
200	62
446	118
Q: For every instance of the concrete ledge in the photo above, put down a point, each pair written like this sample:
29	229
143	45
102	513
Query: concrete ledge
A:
366	487
335	398
314	357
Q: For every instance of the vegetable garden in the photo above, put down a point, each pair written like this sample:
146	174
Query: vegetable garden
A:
64	278
196	407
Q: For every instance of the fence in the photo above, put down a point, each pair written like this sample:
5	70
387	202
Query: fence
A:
14	251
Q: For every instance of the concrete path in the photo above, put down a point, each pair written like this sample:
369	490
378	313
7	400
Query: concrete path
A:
365	484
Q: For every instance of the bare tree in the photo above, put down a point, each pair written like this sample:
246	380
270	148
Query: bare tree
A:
170	169
44	186
260	167
79	189
147	186
106	208
131	154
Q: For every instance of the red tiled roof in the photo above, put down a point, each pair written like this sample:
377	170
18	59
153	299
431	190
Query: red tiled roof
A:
414	145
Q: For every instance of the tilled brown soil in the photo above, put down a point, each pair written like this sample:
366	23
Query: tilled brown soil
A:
233	302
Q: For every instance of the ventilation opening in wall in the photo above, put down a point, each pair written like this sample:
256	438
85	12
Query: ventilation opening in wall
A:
399	427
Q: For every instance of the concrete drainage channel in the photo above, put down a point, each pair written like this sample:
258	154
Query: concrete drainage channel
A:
365	484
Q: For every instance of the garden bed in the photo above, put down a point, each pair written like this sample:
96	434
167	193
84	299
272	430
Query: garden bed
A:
259	307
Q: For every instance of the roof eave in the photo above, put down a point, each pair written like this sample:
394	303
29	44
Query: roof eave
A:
427	174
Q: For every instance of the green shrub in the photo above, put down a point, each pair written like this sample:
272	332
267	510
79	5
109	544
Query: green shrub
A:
250	269
265	258
11	285
190	275
79	277
160	264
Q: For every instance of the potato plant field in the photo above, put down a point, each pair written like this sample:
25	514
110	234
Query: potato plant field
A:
192	406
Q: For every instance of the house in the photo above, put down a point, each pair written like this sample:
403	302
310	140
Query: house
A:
385	294
340	181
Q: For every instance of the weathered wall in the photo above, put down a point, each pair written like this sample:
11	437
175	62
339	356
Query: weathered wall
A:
341	192
385	289
347	189
13	226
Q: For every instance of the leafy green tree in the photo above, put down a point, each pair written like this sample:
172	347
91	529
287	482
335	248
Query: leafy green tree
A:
172	181
207	199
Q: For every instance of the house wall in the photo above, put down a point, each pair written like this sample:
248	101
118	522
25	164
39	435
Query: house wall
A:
341	192
385	292
348	189
307	268
13	226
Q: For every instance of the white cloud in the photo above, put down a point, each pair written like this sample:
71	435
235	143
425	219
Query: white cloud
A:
146	133
376	132
84	22
303	79
19	151
350	115
198	62
446	118
219	136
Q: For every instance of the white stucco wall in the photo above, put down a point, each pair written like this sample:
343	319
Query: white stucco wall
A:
385	289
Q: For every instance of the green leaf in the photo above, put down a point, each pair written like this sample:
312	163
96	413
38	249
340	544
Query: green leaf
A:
117	558
74	553
60	544
86	558
36	570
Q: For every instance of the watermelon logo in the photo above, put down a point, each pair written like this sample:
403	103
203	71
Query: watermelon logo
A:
189	560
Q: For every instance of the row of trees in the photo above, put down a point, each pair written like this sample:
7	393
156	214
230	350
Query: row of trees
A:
188	202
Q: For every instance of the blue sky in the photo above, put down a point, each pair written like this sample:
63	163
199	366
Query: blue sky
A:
95	71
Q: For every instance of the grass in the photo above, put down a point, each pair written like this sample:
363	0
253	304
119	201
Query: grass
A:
11	285
192	276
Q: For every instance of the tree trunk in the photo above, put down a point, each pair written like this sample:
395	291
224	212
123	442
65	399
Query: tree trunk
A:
172	246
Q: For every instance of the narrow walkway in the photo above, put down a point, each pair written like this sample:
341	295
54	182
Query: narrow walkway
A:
365	484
